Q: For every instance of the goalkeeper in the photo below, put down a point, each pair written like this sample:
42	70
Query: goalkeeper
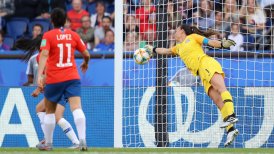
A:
189	47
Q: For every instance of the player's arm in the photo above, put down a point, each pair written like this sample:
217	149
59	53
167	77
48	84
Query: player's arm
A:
83	50
38	89
36	92
161	51
41	67
224	43
215	43
86	56
84	65
205	41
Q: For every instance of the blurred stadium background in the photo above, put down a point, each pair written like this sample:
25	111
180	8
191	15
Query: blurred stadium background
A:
118	95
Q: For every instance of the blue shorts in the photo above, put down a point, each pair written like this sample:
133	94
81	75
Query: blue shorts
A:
56	91
63	102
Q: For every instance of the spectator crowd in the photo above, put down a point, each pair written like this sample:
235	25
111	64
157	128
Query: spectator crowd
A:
93	20
243	21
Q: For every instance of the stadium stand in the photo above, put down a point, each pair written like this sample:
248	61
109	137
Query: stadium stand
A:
16	27
8	40
44	22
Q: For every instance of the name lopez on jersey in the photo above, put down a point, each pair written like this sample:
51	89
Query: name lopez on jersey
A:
63	37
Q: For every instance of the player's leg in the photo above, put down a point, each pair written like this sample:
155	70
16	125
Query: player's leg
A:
53	94
217	99
73	93
79	119
65	125
49	122
215	95
212	74
41	112
217	82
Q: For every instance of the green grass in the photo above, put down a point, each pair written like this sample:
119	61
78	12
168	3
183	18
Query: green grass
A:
142	150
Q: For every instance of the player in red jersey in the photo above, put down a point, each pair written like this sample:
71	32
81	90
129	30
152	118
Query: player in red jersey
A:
62	78
60	120
31	46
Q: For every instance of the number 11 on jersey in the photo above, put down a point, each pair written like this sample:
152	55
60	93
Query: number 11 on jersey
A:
61	55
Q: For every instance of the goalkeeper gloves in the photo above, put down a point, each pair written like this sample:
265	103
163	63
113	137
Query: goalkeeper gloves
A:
226	43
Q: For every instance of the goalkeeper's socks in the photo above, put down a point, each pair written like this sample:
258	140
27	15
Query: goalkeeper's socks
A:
228	108
230	129
49	122
80	122
68	130
41	116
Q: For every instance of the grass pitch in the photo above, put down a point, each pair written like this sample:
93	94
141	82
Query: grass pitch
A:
142	150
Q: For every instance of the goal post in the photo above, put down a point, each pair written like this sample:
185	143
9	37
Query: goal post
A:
160	121
161	104
118	76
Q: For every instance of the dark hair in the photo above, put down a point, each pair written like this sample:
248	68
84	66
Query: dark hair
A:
2	33
194	30
109	30
30	46
58	17
234	24
38	25
200	11
68	19
100	2
107	17
218	11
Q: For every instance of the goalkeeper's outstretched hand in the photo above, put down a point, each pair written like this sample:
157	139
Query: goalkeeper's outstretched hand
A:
149	49
226	43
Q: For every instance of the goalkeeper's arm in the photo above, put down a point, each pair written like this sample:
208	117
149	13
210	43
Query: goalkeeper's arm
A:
224	43
163	51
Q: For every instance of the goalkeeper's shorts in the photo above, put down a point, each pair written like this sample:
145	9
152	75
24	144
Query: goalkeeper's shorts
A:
56	91
208	67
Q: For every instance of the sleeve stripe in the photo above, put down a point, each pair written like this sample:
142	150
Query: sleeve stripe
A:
205	41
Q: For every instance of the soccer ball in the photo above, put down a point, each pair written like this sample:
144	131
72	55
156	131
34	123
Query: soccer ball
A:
141	56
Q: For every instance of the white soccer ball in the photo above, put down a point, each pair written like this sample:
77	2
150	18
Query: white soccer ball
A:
141	56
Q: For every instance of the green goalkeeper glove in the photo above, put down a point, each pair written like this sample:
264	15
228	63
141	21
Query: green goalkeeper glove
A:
226	43
149	49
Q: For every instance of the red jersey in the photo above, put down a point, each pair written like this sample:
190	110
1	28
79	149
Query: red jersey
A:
143	16
75	18
61	44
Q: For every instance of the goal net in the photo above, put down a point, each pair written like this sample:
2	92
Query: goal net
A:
164	105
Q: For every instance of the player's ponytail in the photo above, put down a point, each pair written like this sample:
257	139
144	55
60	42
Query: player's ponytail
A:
30	46
203	33
194	30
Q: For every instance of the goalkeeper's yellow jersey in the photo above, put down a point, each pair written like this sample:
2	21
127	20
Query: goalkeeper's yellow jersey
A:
191	51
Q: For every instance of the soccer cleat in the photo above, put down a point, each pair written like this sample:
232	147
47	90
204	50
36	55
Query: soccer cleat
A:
83	145
41	142
231	136
75	146
229	121
44	147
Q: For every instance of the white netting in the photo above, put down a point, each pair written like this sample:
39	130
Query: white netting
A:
192	118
